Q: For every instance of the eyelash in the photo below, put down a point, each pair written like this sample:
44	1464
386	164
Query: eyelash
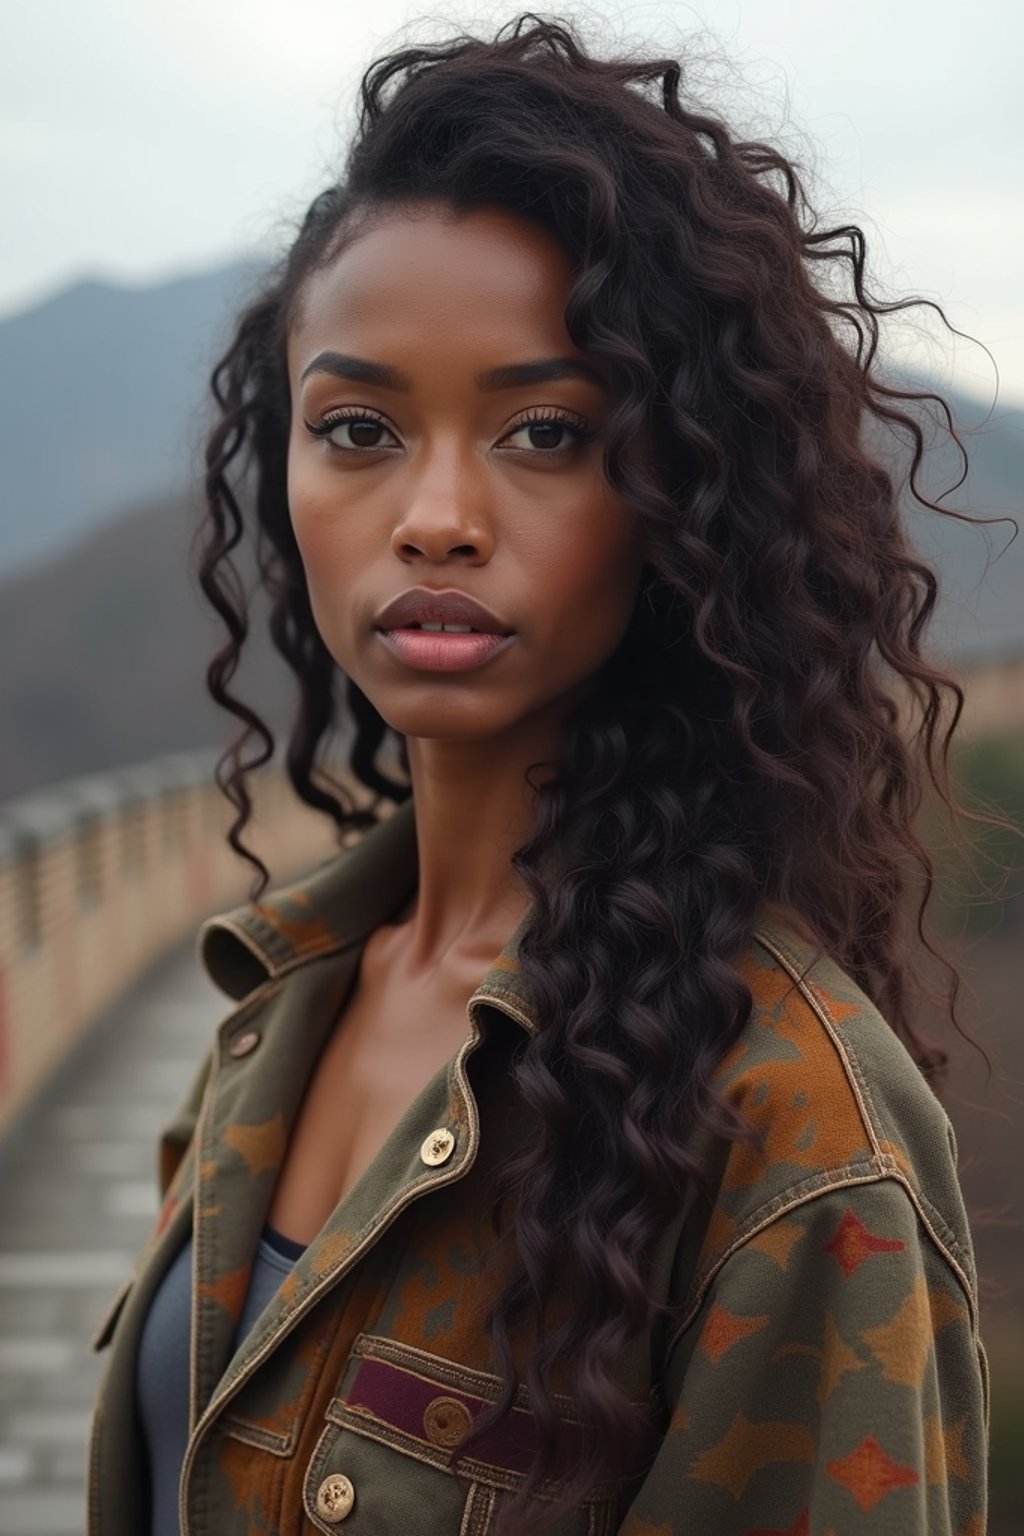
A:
578	431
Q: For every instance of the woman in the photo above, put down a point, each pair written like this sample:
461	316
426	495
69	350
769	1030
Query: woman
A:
561	1166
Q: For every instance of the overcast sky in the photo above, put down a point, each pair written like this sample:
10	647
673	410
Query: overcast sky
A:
139	140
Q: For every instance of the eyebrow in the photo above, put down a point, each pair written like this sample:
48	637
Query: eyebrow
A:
544	370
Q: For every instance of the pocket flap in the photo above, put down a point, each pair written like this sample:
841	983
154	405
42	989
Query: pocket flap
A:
432	1403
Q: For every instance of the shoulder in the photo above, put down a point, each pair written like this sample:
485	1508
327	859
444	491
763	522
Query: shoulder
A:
838	1102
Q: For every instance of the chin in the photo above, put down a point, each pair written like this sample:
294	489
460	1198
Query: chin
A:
440	718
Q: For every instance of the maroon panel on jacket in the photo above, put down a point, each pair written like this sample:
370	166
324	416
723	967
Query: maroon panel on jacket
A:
400	1398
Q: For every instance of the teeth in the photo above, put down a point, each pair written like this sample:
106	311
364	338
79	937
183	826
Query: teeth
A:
449	629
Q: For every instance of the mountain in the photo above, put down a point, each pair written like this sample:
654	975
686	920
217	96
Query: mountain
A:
103	651
103	637
102	402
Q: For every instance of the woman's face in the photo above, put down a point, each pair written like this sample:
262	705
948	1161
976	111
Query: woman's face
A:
423	456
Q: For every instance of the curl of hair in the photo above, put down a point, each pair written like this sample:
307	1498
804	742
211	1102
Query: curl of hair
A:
751	739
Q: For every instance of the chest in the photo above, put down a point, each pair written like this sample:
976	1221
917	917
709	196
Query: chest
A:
393	1035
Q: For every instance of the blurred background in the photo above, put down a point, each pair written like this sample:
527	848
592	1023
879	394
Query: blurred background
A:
152	162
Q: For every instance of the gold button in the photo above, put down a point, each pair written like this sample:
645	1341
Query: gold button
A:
247	1041
438	1147
446	1421
335	1498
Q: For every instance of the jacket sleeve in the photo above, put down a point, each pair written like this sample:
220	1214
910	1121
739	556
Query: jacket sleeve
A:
832	1383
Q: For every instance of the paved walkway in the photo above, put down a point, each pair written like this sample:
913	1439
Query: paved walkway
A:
77	1199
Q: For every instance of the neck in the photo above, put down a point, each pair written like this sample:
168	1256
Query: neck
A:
474	808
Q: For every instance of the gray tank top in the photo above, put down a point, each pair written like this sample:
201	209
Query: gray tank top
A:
161	1378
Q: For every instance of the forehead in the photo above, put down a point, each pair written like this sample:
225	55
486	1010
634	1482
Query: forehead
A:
436	277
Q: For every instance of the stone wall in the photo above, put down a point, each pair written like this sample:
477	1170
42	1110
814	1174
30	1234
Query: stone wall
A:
100	875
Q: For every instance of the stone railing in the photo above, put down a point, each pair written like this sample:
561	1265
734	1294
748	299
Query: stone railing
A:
100	875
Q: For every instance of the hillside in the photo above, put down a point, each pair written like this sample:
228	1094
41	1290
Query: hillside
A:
102	397
102	655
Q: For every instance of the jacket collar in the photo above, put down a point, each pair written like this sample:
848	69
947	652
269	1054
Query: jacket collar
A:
339	905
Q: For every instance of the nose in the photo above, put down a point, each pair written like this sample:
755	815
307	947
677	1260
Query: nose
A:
447	513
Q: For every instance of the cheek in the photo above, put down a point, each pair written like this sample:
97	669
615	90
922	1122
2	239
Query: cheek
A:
327	541
593	580
329	549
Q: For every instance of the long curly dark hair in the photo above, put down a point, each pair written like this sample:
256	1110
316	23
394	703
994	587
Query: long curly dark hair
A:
763	732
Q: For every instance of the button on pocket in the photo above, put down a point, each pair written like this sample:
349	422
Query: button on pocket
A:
446	1421
335	1498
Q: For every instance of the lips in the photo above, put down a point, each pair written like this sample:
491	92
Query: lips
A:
440	651
420	605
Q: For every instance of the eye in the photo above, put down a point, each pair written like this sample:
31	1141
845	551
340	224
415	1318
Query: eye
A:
362	428
546	433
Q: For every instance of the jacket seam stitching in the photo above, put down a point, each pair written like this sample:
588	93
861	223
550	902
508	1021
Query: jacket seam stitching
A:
274	967
475	1522
470	1468
199	1232
948	1242
238	1428
510	1002
986	1379
890	1171
473	1382
854	1077
316	1465
773	1210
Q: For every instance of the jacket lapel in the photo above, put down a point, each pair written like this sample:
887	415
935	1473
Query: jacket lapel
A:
434	1144
263	1057
301	948
441	1123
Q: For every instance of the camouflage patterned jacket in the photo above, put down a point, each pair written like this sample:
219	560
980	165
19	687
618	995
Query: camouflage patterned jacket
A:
820	1371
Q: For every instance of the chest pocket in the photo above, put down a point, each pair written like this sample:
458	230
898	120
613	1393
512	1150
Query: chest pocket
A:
383	1464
